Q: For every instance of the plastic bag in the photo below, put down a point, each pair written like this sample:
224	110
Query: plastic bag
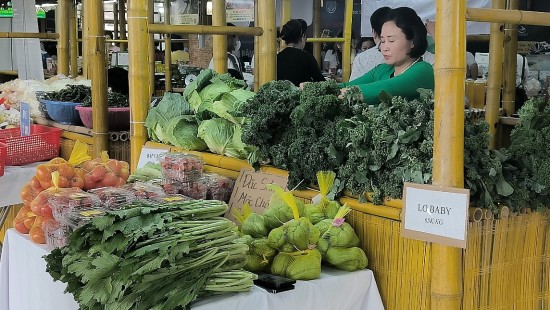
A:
325	208
24	220
68	175
300	265
279	212
102	172
40	205
36	233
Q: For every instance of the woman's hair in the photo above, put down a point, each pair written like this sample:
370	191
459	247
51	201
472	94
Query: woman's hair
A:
364	39
412	26
293	30
335	48
378	18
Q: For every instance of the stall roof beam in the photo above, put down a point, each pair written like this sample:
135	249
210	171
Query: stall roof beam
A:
28	35
198	29
508	16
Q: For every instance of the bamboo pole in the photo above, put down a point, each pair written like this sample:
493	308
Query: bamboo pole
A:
346	53
511	15
62	24
200	29
267	42
138	76
219	42
28	35
167	50
96	52
122	24
85	25
494	80
73	40
317	31
151	48
448	161
510	63
285	17
115	21
326	40
256	70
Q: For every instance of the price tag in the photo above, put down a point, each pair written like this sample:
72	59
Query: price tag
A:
435	214
150	155
25	119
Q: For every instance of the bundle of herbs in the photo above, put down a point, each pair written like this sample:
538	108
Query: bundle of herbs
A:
152	256
71	93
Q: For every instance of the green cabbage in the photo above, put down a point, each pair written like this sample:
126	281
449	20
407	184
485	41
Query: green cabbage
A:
348	259
229	103
295	235
181	131
171	105
254	225
223	137
260	254
335	236
278	212
301	265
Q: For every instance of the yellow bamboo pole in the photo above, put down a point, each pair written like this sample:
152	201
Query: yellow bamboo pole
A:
494	80
219	42
116	41
167	50
139	77
346	53
448	161
115	21
285	17
317	30
96	52
511	15
268	45
326	40
257	56
62	25
73	40
85	25
510	63
151	48
200	29
30	35
122	24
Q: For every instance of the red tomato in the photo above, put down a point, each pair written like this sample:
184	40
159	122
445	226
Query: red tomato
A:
43	173
77	181
89	183
98	173
63	182
124	174
114	166
20	227
29	221
110	179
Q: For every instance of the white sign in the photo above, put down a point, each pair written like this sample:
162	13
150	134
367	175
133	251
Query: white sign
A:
25	119
150	155
435	214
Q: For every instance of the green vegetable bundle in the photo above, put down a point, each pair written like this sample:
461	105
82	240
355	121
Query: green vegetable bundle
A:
148	172
325	208
151	256
260	254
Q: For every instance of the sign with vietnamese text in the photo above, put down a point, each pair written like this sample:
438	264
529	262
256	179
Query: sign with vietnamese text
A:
238	11
150	155
25	119
435	214
250	188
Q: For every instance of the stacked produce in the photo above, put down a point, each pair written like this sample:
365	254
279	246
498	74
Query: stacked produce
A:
179	252
148	172
285	241
83	94
203	118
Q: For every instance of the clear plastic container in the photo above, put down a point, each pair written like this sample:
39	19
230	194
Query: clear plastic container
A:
80	217
219	187
114	197
56	234
64	204
181	167
168	200
195	190
144	190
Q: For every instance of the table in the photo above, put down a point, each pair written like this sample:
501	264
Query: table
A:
24	285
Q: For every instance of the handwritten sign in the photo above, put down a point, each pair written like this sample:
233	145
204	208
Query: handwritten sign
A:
25	119
250	188
150	155
435	214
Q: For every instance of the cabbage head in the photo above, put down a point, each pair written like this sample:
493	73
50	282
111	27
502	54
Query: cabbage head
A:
254	226
295	235
181	131
260	254
314	212
335	236
223	137
278	212
348	259
301	265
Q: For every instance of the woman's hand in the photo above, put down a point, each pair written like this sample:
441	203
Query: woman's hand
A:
303	84
430	27
343	92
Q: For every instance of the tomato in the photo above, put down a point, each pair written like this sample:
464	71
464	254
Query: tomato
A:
37	235
46	184
66	171
29	221
89	183
124	174
120	182
110	179
35	184
57	160
98	173
114	166
20	227
63	182
43	173
77	181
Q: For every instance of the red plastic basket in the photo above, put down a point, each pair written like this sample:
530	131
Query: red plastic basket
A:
43	144
3	150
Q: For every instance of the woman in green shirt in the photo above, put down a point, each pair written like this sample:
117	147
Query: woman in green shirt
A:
402	43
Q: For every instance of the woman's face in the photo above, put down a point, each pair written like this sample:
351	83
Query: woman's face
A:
366	45
394	45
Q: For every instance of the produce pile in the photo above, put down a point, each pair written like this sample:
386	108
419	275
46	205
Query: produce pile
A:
203	118
83	94
151	255
291	239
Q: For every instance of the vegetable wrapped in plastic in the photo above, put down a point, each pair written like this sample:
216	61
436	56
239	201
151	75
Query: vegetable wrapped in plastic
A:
348	259
336	232
296	234
325	208
278	211
254	225
259	255
300	265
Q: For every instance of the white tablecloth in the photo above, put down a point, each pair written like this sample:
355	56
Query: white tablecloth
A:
25	285
13	180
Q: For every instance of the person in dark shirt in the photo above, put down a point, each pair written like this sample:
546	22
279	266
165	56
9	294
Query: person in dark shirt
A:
293	63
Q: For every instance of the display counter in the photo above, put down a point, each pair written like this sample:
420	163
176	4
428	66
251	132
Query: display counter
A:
25	284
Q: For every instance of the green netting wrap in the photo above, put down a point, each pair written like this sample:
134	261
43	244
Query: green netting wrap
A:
301	265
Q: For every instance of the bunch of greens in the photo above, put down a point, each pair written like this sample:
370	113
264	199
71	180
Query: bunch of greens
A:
150	256
71	93
114	100
148	172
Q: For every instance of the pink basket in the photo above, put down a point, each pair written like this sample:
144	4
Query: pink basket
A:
118	118
3	150
43	144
